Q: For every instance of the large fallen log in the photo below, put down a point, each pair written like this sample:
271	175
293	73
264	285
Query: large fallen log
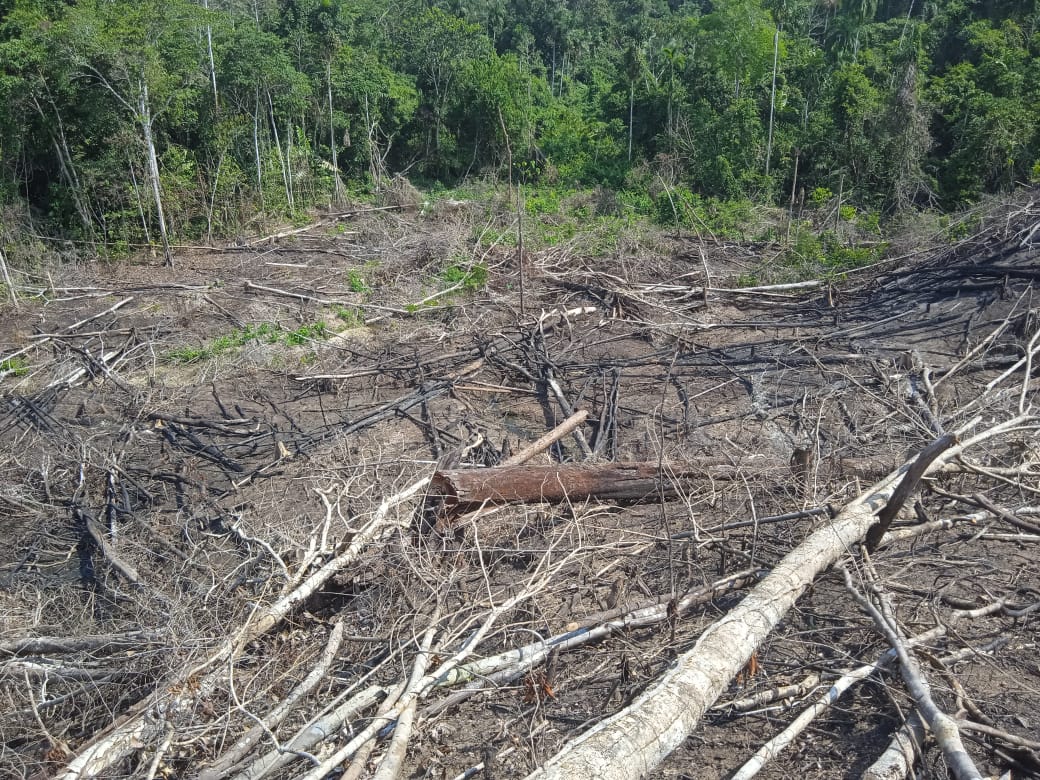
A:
630	743
463	489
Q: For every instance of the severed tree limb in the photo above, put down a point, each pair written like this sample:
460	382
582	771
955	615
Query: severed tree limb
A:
414	689
546	441
1006	515
772	748
907	486
390	766
358	767
145	721
466	488
1004	736
632	742
899	757
6	359
521	659
568	410
763	698
314	733
124	568
445	521
942	725
54	645
231	757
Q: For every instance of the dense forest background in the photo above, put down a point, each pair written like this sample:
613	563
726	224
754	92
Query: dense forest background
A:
129	123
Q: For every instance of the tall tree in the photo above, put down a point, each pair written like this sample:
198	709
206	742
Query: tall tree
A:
145	56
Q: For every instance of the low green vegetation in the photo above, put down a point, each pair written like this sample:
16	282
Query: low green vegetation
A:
356	282
468	277
352	317
263	333
15	366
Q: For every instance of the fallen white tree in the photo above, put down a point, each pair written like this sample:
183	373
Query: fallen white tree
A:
632	742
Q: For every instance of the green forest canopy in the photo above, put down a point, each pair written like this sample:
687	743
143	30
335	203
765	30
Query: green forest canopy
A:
266	108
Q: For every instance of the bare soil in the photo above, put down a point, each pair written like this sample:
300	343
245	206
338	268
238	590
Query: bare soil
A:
160	503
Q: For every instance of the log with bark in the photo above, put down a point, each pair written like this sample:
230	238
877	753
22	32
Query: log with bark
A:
463	489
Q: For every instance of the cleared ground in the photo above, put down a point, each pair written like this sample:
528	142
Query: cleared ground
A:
184	449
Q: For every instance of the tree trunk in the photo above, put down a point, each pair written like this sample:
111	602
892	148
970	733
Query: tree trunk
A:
212	63
256	149
140	202
772	99
463	489
337	184
286	179
145	117
213	197
67	166
631	108
7	279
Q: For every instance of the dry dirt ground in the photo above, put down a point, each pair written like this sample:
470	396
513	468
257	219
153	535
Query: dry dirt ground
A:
185	450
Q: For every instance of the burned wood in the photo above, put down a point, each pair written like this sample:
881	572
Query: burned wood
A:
606	432
463	489
92	527
174	433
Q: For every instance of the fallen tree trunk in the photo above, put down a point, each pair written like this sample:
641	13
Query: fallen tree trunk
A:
463	489
632	742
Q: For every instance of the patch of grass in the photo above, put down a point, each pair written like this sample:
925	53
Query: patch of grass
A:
317	331
746	280
354	318
15	366
263	333
469	278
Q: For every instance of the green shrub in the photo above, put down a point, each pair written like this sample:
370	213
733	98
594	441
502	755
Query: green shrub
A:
356	282
683	208
469	277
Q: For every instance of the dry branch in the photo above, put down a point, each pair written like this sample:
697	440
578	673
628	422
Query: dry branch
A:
148	716
227	761
632	742
942	725
772	748
313	734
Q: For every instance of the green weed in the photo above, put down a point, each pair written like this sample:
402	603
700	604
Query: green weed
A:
352	317
16	366
264	333
356	282
469	278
